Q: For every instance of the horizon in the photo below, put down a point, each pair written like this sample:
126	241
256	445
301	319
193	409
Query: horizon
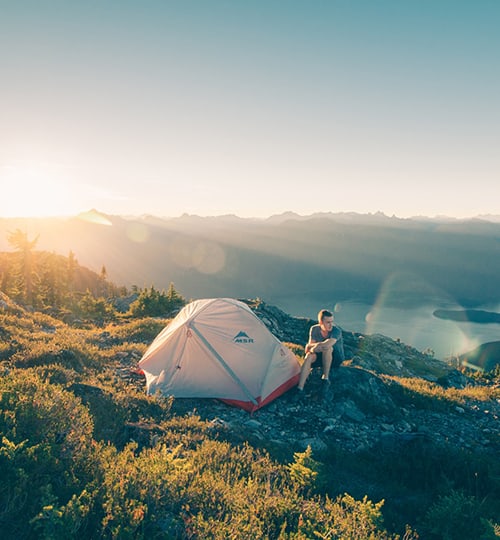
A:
100	216
250	109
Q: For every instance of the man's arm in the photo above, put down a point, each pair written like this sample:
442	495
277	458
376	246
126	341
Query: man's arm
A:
324	345
310	347
311	342
319	346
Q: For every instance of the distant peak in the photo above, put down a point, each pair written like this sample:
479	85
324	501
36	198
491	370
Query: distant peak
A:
94	216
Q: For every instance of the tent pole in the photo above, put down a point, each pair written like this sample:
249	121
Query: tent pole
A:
224	363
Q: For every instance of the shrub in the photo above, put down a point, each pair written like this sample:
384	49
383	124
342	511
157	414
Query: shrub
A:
56	374
65	346
304	470
142	330
154	303
344	519
141	495
72	520
453	514
46	446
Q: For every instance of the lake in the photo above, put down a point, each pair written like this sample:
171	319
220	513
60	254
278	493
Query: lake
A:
415	326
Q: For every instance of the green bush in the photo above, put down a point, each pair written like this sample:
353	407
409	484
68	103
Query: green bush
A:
34	346
154	303
453	514
46	446
304	470
142	330
140	494
344	519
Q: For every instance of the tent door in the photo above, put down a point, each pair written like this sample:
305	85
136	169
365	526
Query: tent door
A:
224	363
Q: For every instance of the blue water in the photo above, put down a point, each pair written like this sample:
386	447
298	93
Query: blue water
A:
415	326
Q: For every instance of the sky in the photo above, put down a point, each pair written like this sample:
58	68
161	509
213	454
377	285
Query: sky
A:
250	108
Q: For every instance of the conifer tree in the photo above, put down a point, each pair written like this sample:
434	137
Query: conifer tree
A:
175	300
24	247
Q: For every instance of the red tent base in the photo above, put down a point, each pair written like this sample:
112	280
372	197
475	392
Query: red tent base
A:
251	407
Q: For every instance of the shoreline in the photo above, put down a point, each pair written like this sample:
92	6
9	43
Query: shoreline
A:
468	315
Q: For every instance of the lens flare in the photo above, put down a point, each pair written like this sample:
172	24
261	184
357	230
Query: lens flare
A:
138	232
206	257
405	305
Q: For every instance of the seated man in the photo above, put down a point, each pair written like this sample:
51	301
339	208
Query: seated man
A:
325	342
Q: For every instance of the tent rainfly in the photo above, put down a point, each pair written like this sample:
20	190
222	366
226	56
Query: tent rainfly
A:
218	348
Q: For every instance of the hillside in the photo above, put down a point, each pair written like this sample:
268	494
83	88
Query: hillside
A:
86	453
486	356
325	256
55	266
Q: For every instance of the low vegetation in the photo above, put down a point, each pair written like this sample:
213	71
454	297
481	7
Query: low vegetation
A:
68	472
85	453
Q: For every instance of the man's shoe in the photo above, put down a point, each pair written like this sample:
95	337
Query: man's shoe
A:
326	390
299	395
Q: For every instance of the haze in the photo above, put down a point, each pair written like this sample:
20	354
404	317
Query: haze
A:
253	108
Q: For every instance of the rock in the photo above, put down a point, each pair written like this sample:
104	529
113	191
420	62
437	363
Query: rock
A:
219	423
352	413
369	392
316	444
369	410
253	424
455	379
404	426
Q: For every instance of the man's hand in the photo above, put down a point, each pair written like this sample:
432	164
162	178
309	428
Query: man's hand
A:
321	346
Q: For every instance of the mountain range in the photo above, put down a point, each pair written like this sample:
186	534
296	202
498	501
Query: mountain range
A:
324	256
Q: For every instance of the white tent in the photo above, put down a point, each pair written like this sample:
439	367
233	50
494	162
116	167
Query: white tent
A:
218	348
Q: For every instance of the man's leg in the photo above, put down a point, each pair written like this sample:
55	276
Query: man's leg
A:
305	370
327	357
327	362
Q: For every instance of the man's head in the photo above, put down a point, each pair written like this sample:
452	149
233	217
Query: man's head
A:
325	319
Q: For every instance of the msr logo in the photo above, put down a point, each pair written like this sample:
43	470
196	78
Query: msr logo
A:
242	337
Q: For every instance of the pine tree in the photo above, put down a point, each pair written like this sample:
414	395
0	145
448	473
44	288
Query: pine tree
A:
24	247
153	303
175	300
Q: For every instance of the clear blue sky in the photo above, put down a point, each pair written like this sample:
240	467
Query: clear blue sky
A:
252	108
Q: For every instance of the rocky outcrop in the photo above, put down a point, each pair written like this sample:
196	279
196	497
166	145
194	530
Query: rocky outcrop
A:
361	414
365	412
368	408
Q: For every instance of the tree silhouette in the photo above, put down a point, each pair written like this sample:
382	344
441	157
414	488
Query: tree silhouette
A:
154	303
72	265
24	247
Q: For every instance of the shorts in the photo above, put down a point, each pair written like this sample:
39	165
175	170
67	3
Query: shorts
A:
335	361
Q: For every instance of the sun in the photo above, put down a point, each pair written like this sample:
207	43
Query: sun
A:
35	192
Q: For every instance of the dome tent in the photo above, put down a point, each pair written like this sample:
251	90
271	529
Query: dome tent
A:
218	348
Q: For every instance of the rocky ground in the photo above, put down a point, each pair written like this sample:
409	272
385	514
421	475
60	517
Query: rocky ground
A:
361	414
365	410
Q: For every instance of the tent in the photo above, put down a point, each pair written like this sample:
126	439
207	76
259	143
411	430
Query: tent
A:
218	348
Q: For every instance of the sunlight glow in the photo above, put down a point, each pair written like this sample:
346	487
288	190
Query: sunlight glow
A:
93	216
35	192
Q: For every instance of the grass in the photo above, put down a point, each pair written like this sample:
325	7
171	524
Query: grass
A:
85	453
428	394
